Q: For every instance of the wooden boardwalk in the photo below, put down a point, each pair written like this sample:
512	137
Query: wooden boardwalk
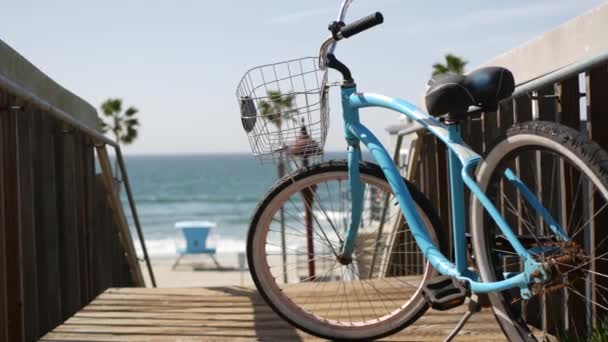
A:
226	313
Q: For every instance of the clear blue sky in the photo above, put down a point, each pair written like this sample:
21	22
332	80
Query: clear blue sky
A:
179	61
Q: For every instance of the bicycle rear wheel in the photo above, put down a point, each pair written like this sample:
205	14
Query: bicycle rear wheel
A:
568	174
374	294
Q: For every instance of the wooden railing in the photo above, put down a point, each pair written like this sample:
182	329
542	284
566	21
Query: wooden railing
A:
64	238
558	102
569	88
562	77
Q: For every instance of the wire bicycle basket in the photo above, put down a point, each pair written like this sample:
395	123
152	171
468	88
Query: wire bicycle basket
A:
284	109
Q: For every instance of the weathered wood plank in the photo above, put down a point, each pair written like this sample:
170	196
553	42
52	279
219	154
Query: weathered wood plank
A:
25	124
123	226
278	328
569	102
217	291
91	224
522	110
3	256
597	102
302	337
570	205
597	88
491	129
47	239
505	120
105	235
68	232
547	103
176	319
186	319
80	217
14	296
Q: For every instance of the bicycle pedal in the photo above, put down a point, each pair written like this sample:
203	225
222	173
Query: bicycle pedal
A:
445	293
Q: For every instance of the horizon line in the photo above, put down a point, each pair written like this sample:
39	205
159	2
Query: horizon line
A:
162	154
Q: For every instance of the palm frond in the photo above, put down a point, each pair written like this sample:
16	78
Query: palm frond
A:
111	107
129	136
439	69
131	111
453	64
122	125
131	122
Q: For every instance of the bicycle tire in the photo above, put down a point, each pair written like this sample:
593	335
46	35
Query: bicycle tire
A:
298	317
586	157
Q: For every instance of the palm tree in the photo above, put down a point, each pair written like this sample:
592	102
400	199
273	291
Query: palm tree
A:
276	110
123	125
453	64
279	108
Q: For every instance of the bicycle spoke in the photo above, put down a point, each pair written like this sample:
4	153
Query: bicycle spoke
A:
587	299
514	211
578	188
319	225
580	206
326	243
589	220
329	270
318	202
332	290
378	292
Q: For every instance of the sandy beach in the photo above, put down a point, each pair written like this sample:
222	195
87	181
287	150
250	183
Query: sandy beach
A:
199	271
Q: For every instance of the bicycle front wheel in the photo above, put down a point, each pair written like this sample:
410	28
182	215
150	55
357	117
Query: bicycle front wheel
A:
567	172
293	251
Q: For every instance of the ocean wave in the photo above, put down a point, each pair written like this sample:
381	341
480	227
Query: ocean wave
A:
203	198
168	247
162	248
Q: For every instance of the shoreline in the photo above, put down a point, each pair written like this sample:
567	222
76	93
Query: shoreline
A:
198	271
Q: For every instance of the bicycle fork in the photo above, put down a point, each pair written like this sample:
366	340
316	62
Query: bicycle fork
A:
357	188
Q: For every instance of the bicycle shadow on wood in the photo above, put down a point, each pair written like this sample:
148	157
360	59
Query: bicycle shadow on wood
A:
267	324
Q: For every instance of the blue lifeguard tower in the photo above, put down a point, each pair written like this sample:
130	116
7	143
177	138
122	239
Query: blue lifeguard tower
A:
195	235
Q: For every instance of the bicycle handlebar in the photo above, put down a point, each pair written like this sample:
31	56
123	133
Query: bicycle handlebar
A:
340	31
361	25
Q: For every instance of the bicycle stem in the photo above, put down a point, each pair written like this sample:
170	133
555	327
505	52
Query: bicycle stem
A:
341	17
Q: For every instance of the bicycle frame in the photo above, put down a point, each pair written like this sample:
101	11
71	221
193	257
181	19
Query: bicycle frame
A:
462	163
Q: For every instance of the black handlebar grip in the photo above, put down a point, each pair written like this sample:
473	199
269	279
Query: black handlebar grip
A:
362	25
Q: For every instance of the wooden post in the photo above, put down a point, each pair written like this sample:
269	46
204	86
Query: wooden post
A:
82	227
505	117
47	237
569	114
3	255
103	234
414	158
12	232
28	222
569	102
92	224
597	100
68	233
550	194
123	226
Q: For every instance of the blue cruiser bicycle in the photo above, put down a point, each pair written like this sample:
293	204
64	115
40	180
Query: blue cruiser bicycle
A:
350	250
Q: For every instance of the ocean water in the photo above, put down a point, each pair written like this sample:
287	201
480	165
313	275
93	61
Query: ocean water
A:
224	189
